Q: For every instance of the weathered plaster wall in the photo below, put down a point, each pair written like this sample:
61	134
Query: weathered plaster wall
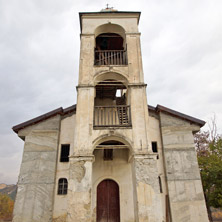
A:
139	115
84	119
80	187
62	171
183	177
149	202
34	199
155	136
118	169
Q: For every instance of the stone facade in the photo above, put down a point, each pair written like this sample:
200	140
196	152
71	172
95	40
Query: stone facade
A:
182	172
35	194
148	152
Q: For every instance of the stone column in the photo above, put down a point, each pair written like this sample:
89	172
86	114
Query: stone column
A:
147	188
139	116
79	188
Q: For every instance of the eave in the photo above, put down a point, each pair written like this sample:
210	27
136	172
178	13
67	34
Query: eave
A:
59	111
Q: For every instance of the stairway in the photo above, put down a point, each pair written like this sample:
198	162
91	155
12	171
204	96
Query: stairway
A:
122	110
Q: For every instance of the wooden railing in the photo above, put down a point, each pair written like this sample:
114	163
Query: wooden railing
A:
112	116
111	57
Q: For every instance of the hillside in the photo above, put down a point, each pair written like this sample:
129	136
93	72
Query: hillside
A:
10	190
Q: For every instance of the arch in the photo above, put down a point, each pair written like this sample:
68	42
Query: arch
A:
109	27
99	77
104	177
108	201
114	137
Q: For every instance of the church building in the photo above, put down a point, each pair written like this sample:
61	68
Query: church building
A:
111	157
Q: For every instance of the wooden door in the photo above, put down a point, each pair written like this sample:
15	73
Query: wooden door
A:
108	209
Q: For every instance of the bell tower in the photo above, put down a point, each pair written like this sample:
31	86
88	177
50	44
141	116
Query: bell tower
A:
111	89
111	145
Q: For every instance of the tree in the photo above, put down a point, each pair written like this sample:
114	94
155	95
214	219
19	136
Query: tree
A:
6	207
209	153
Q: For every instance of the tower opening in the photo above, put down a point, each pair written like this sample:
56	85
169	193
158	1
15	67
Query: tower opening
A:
111	107
110	50
109	41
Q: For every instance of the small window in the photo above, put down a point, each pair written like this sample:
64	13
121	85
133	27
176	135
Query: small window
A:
154	147
108	154
65	153
62	186
160	183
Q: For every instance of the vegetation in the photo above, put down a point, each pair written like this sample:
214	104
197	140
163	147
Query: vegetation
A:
6	207
209	151
10	190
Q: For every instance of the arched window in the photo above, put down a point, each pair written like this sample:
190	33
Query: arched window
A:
62	186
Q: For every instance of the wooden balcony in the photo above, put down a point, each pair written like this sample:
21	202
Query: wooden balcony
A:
112	116
110	57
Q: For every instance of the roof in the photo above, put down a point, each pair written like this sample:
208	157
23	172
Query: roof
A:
106	12
72	109
59	111
177	114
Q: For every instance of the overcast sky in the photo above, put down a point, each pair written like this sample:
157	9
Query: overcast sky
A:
39	55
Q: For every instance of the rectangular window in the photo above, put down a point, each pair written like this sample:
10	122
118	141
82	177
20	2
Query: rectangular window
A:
154	147
65	153
108	154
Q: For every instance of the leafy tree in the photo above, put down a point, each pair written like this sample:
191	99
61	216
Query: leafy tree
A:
6	207
209	152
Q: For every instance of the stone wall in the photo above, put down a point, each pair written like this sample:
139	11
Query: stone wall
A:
67	131
182	171
149	202
79	192
34	200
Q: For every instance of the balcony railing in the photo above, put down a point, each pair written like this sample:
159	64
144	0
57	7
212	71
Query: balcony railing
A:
112	116
110	57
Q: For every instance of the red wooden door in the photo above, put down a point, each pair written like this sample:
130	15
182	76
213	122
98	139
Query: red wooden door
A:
108	202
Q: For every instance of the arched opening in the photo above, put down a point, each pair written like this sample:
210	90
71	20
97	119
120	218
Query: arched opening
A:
111	104
110	45
113	161
108	204
110	148
109	41
110	92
